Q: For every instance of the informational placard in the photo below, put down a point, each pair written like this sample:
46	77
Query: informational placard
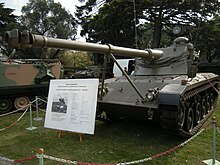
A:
72	105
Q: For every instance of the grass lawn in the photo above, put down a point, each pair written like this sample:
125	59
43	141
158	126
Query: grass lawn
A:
122	141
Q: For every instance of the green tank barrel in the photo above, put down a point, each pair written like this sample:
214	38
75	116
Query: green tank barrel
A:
25	39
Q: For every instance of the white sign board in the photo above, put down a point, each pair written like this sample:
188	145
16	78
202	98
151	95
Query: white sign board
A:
72	105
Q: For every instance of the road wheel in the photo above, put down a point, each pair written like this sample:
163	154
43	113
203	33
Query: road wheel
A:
198	111
20	102
189	120
5	105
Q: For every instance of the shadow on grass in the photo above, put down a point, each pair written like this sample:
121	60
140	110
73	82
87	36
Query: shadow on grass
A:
134	140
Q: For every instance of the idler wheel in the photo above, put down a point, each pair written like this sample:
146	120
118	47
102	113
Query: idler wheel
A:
5	105
21	102
189	120
198	112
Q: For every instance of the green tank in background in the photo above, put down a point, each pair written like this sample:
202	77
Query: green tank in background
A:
165	86
23	79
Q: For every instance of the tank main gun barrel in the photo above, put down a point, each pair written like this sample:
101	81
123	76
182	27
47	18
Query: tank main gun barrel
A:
16	39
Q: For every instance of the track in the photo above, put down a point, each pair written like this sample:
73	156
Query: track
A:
194	109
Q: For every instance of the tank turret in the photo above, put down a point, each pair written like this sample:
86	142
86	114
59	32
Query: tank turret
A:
180	51
164	87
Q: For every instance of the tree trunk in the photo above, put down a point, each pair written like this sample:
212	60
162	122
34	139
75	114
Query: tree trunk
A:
157	29
157	33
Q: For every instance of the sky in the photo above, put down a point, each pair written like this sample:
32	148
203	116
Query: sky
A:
17	5
67	4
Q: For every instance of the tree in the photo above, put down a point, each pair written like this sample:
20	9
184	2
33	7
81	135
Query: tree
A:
161	15
7	22
110	25
208	42
7	19
171	13
75	59
45	17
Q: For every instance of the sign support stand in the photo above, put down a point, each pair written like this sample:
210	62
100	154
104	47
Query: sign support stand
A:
80	135
31	127
37	118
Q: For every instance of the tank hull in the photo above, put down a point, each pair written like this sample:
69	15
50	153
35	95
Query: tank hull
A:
19	90
194	99
21	80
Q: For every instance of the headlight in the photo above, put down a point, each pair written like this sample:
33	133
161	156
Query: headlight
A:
150	96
